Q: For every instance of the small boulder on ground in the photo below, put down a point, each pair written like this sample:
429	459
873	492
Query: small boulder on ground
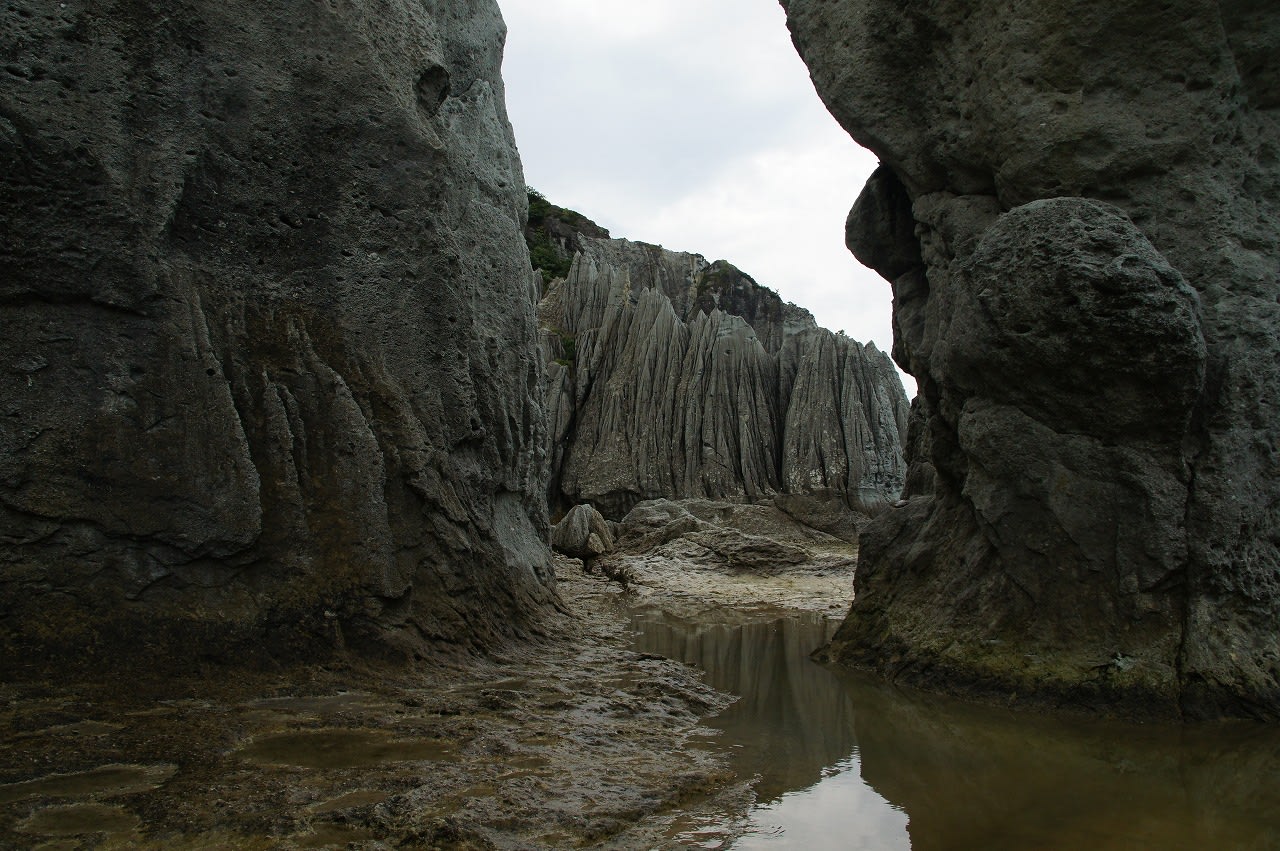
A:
582	533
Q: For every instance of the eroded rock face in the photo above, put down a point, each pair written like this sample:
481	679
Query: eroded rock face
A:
669	376
1077	209
269	374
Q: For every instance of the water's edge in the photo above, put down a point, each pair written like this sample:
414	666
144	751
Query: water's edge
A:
845	761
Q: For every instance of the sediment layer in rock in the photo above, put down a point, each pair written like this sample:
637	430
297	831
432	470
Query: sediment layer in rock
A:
269	370
1077	209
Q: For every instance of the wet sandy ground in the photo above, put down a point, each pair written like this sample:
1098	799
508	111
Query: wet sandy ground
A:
581	742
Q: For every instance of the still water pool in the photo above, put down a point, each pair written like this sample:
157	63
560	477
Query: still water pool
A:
844	761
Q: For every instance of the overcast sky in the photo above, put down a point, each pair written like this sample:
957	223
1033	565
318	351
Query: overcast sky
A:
693	124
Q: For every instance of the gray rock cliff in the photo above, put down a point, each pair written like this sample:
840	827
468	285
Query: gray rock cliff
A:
1077	210
669	376
268	372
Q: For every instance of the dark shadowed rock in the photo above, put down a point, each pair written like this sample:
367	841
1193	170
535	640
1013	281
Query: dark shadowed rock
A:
880	230
554	234
824	511
269	375
1094	193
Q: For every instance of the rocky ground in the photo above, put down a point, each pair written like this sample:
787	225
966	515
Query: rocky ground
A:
578	742
697	555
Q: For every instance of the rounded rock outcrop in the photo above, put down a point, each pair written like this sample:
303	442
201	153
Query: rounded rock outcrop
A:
582	533
1091	516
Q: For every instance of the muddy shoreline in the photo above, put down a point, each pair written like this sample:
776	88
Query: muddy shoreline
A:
579	742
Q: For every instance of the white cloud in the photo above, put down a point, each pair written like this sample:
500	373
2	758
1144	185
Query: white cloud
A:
608	22
778	214
694	125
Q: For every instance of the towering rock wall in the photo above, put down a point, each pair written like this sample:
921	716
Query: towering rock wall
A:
669	376
269	375
1077	209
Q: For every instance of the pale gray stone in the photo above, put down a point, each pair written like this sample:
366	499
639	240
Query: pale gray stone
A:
729	536
689	379
582	533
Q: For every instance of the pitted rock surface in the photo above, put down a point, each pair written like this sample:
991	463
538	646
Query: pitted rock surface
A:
269	379
1077	210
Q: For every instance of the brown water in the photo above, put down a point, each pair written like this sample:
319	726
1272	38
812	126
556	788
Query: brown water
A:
846	762
79	819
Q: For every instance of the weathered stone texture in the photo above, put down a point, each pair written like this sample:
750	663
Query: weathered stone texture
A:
1087	292
582	533
672	392
702	533
269	367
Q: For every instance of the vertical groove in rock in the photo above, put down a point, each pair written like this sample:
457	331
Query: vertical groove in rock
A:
689	379
269	369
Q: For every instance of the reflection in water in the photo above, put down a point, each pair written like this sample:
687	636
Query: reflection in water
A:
974	777
847	762
78	820
793	720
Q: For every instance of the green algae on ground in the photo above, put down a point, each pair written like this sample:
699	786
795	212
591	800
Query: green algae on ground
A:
104	781
574	741
331	748
79	819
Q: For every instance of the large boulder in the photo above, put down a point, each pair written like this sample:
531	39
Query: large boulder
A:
269	373
1077	210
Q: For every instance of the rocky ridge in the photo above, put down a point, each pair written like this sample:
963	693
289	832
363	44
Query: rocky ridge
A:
554	235
270	382
669	376
1077	210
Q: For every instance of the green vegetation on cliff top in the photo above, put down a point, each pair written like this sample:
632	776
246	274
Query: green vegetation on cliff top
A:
546	223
